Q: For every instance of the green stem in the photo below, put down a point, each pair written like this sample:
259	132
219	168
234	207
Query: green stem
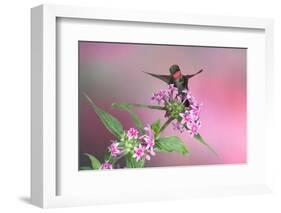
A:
118	158
148	106
166	124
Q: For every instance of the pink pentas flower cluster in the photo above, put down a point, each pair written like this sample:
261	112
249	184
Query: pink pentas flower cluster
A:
181	106
145	146
140	146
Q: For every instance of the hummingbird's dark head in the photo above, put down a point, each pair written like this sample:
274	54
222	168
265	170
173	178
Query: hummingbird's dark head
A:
175	71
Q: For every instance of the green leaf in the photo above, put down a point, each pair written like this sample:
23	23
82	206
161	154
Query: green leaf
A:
129	108
110	122
85	168
171	144
156	126
107	156
199	138
94	161
132	163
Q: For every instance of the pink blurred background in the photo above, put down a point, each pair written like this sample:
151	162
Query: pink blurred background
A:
112	72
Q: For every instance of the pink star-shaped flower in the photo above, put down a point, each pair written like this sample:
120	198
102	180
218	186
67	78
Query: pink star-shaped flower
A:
106	165
138	152
186	118
132	133
160	96
193	128
114	149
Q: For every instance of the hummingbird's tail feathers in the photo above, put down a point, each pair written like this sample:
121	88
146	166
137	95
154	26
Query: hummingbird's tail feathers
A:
190	76
165	78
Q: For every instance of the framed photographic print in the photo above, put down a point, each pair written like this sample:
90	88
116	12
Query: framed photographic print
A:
131	102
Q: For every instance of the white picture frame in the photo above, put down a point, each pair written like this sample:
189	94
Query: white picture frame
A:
44	151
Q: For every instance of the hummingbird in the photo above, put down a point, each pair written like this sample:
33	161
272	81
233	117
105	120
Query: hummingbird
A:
176	77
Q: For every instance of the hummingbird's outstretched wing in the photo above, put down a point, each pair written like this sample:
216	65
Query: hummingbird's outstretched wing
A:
190	76
165	78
